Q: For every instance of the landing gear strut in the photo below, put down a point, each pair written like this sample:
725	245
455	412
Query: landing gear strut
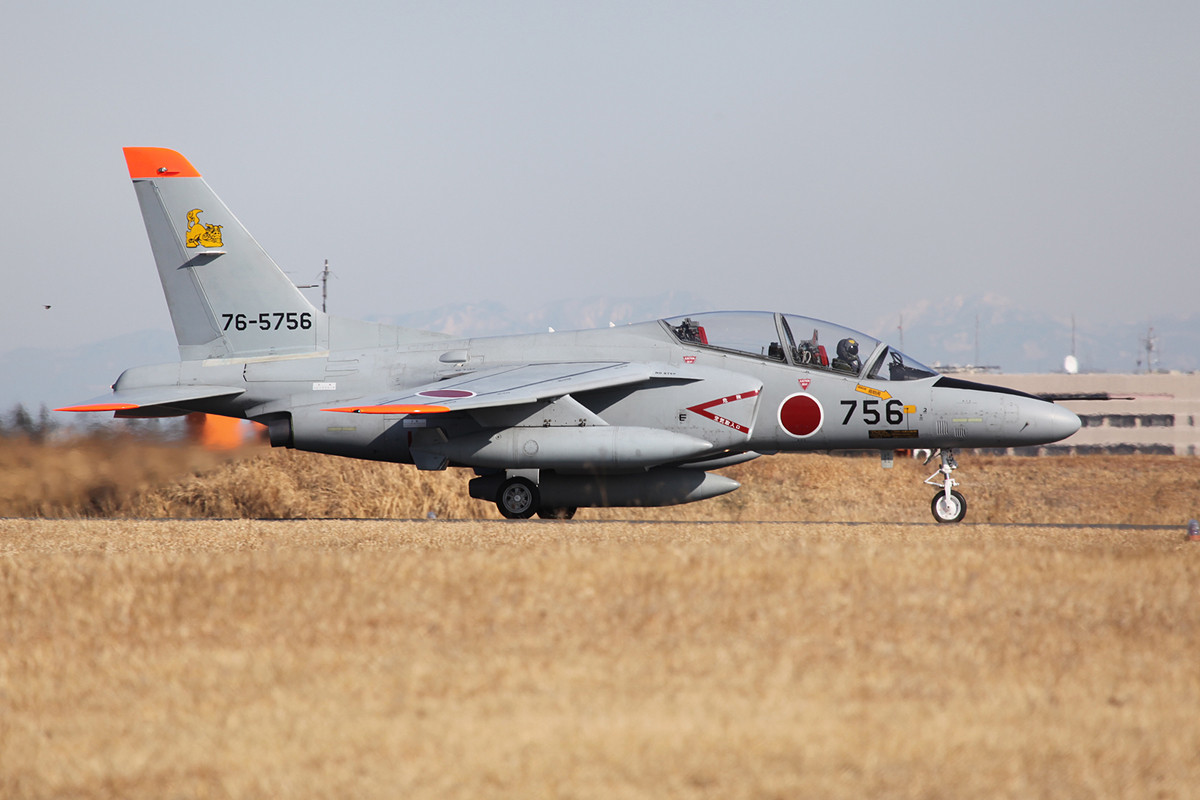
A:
948	504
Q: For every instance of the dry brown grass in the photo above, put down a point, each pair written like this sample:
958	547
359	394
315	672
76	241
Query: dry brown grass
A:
489	659
97	476
123	478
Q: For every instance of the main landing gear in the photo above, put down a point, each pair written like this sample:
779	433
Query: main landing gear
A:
520	498
948	504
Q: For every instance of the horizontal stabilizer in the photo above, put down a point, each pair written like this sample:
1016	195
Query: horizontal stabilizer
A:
153	396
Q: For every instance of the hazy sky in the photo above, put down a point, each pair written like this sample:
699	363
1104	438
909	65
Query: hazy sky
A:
841	160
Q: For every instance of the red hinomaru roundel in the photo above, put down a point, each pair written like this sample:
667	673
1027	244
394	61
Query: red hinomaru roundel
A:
801	415
446	394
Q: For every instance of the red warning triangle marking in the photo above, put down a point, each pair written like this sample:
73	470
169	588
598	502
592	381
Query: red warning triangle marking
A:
703	410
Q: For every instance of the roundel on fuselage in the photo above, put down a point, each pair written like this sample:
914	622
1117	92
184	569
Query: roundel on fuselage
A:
800	415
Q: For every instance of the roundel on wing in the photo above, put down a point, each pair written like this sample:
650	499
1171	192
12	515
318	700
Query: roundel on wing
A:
801	415
446	394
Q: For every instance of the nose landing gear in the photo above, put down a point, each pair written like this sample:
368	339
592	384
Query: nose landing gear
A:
948	504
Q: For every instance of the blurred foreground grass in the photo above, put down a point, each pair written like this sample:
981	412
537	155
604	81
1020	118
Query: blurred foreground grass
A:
384	659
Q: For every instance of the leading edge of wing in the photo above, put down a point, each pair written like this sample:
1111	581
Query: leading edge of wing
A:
153	396
512	385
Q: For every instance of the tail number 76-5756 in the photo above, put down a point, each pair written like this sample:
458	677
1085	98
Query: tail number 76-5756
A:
269	320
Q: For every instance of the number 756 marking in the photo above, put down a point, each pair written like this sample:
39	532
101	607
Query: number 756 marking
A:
893	411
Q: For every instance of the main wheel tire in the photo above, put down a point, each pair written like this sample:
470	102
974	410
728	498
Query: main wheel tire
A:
949	510
518	498
562	512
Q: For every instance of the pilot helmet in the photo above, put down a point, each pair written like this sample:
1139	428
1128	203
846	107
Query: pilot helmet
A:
847	349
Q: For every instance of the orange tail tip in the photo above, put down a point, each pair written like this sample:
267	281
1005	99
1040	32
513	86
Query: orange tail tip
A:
394	409
157	162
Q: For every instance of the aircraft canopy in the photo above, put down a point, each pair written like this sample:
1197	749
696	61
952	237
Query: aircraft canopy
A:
799	341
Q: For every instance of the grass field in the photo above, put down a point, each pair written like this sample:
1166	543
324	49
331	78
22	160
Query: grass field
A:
493	659
127	478
716	657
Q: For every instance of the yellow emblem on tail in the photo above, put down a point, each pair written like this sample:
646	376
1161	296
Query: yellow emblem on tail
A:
201	235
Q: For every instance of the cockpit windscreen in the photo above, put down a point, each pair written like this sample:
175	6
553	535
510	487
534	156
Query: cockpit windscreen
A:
800	341
817	344
892	365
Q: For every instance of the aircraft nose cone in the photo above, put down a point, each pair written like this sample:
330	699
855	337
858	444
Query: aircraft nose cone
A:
1042	422
1057	422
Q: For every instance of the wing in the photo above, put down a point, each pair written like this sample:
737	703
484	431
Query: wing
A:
514	385
131	399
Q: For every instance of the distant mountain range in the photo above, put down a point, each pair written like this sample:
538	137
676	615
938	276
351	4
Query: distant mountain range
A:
960	331
992	331
938	333
495	319
55	377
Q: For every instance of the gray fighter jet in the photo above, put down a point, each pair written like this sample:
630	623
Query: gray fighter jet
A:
637	415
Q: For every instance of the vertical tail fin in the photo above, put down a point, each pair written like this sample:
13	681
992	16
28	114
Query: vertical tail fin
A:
226	296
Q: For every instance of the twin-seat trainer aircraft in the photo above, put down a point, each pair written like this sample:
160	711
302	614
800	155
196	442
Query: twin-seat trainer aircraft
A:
637	415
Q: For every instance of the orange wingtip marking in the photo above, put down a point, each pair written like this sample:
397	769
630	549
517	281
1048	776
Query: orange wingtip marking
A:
158	162
409	409
100	407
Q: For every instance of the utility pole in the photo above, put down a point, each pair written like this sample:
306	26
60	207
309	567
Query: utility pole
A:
324	286
1150	345
977	340
325	273
324	276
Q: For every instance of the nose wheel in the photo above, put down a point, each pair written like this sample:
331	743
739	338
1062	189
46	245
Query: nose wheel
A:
950	507
948	504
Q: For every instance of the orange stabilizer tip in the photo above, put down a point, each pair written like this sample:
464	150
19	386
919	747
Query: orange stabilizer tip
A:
401	409
158	162
101	407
